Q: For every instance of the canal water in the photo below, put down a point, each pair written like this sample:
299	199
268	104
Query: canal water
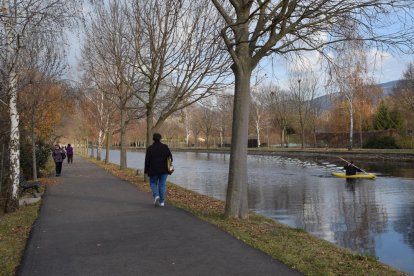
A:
374	217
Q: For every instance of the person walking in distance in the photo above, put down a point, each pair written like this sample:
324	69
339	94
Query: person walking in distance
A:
156	167
69	152
58	155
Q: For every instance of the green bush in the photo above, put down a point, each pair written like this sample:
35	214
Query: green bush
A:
43	153
385	142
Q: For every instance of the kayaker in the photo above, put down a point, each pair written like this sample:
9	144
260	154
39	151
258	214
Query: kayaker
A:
350	169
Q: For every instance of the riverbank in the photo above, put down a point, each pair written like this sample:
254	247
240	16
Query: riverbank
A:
294	247
356	154
381	155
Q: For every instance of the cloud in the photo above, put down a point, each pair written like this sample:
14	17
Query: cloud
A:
385	67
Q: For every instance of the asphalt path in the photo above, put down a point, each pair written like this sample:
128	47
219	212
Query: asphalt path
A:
93	223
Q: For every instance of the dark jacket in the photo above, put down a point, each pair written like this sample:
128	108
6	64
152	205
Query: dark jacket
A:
57	155
69	151
351	169
156	159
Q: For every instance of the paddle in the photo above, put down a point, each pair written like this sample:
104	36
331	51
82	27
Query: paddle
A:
352	164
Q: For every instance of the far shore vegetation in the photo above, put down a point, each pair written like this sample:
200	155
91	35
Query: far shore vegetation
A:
294	247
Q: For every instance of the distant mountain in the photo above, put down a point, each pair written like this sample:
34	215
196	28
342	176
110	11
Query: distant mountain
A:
388	86
326	103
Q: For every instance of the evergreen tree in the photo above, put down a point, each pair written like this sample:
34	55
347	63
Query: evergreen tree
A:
382	119
386	119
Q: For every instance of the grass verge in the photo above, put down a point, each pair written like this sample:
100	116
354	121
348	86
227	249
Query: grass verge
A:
15	227
14	231
294	247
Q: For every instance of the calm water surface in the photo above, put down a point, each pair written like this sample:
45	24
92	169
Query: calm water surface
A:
374	217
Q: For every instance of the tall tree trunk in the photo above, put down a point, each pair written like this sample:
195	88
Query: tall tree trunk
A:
33	138
221	137
123	159
360	131
2	164
236	201
351	125
34	161
93	149
87	147
101	138
282	137
150	123
258	134
108	145
302	130
14	146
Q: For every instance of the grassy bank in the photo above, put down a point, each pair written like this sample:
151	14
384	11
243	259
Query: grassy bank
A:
14	231
294	247
15	227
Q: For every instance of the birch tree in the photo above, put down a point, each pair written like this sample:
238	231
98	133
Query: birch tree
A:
17	18
100	111
255	29
259	104
349	76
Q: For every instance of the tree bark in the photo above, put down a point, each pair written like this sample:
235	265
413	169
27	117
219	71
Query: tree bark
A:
34	160
14	146
123	159
108	145
236	201
351	125
101	138
150	123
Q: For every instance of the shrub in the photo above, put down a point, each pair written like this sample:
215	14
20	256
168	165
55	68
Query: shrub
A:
43	153
386	142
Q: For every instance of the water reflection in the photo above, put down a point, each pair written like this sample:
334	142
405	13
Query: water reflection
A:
371	217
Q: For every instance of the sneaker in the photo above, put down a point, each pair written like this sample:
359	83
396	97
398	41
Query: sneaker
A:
157	201
162	204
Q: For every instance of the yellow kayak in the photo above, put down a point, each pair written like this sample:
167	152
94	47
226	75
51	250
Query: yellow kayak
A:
359	175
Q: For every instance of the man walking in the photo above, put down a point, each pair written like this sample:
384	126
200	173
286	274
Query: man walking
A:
157	169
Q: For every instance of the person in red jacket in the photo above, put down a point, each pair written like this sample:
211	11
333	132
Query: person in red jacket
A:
156	167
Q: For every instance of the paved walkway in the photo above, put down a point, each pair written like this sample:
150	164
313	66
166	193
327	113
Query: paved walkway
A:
96	224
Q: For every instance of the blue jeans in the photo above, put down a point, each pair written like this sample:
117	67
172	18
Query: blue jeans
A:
157	183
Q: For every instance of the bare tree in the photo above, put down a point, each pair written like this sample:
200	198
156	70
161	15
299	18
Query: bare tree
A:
223	109
279	109
207	122
303	87
109	56
403	91
349	75
258	113
101	110
255	29
179	55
